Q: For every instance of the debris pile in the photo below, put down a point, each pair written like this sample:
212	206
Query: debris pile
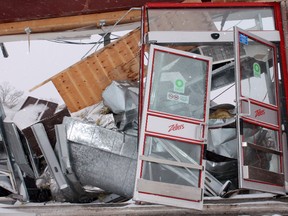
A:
50	154
188	147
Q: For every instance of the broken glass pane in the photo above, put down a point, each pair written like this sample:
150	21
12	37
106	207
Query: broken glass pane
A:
260	147
178	85
176	151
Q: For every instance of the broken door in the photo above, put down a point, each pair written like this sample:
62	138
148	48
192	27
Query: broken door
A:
258	121
173	129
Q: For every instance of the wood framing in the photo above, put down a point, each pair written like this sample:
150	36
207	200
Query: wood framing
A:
82	84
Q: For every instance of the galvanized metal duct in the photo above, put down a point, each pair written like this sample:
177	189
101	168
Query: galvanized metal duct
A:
102	158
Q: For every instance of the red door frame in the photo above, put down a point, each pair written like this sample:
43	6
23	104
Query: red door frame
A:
278	25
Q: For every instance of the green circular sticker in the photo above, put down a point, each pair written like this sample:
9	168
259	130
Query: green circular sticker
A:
179	83
256	67
256	70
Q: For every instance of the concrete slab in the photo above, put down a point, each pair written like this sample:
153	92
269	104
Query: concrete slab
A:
12	212
262	206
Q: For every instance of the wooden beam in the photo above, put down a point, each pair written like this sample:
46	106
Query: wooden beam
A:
71	22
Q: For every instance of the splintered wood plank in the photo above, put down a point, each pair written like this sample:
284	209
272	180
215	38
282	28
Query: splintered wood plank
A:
82	84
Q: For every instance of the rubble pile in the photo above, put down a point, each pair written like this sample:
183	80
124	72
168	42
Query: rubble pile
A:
50	154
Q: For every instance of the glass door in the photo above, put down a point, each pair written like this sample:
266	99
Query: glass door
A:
258	119
173	131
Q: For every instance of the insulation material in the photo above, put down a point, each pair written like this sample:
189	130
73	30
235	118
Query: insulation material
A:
92	148
97	113
82	84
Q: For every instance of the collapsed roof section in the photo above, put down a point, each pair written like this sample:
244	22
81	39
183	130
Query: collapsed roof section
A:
82	84
118	61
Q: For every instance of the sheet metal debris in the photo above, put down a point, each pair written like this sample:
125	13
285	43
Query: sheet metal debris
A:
10	174
92	153
64	160
82	156
93	148
122	98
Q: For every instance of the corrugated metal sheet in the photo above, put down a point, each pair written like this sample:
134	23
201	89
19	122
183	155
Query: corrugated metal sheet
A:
82	84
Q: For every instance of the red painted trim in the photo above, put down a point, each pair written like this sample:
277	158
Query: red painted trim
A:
174	138
169	196
282	51
150	85
210	5
141	86
284	67
279	137
265	183
174	117
142	68
268	106
188	141
151	81
261	123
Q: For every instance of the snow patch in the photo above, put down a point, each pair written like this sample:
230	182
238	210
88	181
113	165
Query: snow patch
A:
28	116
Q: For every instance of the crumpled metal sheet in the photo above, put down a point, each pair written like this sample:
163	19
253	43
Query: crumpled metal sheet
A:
122	98
102	158
223	141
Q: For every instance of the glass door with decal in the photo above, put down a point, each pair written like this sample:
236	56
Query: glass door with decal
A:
173	129
258	117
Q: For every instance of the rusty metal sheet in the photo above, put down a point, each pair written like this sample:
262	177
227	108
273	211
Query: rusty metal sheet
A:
15	10
82	84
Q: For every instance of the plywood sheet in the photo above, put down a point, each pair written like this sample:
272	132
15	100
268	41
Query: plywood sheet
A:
82	84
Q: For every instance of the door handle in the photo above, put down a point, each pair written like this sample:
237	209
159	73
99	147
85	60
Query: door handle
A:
248	104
